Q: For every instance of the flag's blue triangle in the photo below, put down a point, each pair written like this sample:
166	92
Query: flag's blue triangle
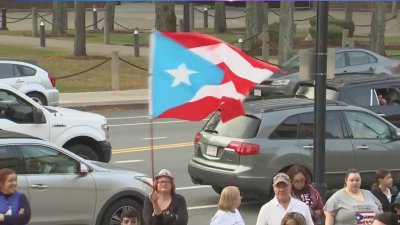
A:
169	55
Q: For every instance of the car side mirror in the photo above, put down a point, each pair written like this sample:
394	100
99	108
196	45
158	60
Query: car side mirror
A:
396	135
38	116
83	169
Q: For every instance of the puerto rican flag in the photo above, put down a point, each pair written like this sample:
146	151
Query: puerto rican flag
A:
193	74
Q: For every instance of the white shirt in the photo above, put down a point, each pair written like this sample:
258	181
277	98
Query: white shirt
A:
272	212
389	195
227	218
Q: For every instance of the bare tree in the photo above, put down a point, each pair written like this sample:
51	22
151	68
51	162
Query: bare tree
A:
265	13
80	36
285	31
254	22
58	28
165	16
109	13
349	11
220	17
378	25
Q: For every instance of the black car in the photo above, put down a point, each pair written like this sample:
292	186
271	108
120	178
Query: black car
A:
378	93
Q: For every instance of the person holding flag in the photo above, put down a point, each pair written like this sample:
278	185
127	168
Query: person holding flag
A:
164	206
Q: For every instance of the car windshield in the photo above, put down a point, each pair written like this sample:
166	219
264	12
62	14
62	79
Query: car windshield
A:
240	127
292	62
308	92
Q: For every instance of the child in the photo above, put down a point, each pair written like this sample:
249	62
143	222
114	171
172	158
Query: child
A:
293	218
130	217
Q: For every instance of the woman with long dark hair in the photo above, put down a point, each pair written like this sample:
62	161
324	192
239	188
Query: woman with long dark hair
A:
305	192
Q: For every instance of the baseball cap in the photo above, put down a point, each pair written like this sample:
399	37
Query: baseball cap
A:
164	173
281	177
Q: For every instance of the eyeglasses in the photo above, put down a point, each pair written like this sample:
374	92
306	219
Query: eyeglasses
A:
129	221
164	181
300	181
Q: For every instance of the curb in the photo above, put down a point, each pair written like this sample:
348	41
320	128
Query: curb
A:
107	105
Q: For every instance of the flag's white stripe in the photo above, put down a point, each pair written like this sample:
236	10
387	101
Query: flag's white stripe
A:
218	91
241	67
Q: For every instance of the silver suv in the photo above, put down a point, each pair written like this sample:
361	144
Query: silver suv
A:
277	133
32	80
63	188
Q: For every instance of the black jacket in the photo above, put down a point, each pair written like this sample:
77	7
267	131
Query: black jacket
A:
175	214
386	205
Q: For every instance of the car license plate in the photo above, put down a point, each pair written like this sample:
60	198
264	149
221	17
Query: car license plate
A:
257	92
212	150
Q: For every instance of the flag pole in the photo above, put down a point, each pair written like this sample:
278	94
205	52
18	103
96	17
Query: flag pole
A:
152	152
150	86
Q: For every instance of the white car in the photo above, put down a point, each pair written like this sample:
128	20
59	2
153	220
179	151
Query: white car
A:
85	134
32	80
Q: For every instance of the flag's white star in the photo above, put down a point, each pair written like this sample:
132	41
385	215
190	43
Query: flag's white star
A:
181	74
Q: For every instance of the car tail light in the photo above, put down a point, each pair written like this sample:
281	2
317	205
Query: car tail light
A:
197	138
243	148
52	79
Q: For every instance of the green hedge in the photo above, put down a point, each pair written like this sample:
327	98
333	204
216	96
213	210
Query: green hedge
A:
334	33
332	21
273	31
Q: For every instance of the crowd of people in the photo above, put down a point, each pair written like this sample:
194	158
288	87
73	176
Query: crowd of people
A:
296	202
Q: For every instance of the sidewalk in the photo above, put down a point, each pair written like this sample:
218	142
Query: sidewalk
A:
128	99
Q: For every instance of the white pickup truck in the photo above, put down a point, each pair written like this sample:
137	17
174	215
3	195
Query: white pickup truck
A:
85	134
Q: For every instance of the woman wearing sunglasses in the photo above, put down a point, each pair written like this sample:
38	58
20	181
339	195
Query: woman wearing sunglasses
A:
305	192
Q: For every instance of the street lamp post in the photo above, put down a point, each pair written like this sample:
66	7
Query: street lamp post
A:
320	97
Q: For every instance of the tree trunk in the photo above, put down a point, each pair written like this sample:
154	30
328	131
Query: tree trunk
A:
220	18
254	21
58	19
265	13
80	37
394	8
109	10
165	16
260	15
285	31
349	11
378	24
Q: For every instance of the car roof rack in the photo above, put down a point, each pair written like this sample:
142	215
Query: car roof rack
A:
278	104
353	79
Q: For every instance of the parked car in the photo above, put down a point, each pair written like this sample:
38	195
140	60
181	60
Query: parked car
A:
347	61
83	133
274	134
32	80
63	188
363	91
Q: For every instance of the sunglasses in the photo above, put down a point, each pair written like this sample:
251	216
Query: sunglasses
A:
164	181
300	181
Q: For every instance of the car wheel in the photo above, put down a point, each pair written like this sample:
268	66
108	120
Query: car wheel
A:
217	189
83	151
39	98
112	215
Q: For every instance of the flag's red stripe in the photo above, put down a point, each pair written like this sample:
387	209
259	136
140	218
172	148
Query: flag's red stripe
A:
193	40
198	110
